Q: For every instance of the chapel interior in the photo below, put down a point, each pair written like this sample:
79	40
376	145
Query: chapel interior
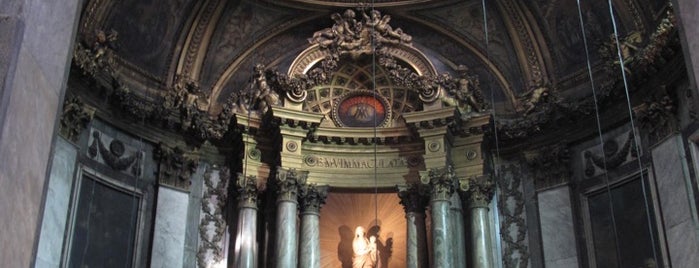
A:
336	133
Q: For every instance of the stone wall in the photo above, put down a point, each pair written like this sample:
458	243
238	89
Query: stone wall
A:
34	55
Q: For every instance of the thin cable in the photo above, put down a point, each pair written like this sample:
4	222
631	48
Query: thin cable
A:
496	169
633	128
599	131
373	81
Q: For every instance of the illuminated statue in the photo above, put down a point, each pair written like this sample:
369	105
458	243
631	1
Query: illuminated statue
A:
365	253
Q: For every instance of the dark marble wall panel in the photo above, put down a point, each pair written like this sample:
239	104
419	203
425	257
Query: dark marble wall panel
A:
148	31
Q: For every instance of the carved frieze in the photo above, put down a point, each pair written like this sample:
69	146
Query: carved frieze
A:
212	226
116	154
611	154
441	181
75	118
175	167
312	197
288	183
414	197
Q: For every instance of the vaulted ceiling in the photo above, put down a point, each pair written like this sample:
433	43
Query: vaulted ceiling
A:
216	42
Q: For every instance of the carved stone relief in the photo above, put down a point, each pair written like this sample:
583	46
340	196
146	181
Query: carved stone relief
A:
115	153
75	118
513	228
441	182
175	167
549	165
611	154
212	226
657	115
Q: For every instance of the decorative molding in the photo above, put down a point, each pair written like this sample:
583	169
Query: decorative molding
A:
248	190
513	227
479	191
289	180
312	197
175	168
441	181
414	197
118	156
549	165
212	226
609	155
657	115
75	118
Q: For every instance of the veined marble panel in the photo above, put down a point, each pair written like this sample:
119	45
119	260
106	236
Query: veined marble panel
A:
557	233
169	233
53	225
681	233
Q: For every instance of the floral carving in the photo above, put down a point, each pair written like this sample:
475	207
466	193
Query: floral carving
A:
312	197
175	168
75	118
114	156
441	181
414	197
213	201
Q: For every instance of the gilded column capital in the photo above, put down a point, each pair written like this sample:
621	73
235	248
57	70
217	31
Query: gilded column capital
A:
312	197
442	182
288	183
479	191
247	190
413	197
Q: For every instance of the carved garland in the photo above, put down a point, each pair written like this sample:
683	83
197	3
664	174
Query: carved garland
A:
509	184
212	203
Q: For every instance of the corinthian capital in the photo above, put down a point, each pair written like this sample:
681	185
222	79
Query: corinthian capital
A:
247	190
479	191
312	197
442	182
288	182
413	197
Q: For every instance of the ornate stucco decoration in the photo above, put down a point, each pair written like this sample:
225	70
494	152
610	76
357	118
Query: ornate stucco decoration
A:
248	188
442	182
289	180
175	167
75	118
611	154
414	197
312	197
118	155
657	115
549	165
212	226
353	37
479	191
513	226
94	55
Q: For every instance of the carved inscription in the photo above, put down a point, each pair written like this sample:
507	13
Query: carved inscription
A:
337	162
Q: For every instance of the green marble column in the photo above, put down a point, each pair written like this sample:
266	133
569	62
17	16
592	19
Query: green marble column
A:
442	184
286	246
479	195
312	198
246	236
414	199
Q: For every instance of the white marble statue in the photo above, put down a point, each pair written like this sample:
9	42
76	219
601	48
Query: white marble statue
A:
365	253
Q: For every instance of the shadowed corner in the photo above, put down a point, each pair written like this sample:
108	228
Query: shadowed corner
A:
344	248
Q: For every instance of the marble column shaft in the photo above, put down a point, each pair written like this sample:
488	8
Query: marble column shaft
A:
414	200
286	246
312	198
246	236
457	225
442	182
480	192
